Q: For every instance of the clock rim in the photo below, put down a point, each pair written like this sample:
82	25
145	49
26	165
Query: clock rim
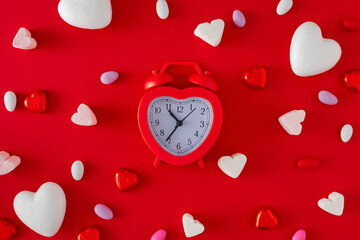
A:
161	153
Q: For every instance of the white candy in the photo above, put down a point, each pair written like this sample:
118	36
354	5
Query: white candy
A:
191	227
211	32
89	14
162	9
334	204
232	166
77	170
10	101
291	121
284	6
310	53
43	211
346	133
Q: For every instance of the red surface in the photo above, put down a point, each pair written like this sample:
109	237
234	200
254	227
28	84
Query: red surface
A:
67	64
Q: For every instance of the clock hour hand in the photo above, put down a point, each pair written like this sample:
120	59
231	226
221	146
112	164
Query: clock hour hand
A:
173	115
188	115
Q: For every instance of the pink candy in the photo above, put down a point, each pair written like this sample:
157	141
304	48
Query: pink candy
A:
109	77
159	235
299	235
103	211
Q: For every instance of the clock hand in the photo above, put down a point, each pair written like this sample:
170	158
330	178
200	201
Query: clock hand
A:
176	127
188	115
171	114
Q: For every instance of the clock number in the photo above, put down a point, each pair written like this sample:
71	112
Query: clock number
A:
196	134
157	122
180	109
191	108
202	111
178	146
162	132
168	106
189	141
202	124
169	140
157	110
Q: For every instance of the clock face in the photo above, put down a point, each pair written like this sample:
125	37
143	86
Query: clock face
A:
180	125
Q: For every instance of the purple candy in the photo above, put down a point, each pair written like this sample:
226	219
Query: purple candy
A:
239	18
327	98
103	211
109	77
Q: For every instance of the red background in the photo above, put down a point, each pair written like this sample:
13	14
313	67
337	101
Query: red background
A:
68	62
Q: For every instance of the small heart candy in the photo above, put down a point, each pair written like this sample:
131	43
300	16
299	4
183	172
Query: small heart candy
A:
291	121
284	6
159	235
125	179
232	166
23	40
191	226
334	204
265	219
212	32
8	229
84	116
89	233
36	102
8	163
255	77
299	235
352	80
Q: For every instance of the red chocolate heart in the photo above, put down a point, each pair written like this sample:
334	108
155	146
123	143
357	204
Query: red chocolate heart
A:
265	219
8	229
256	77
352	80
89	233
36	102
125	179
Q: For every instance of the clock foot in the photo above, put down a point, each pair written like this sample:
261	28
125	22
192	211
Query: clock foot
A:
157	161
201	162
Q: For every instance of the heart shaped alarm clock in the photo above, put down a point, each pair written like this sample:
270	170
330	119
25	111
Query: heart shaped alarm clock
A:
180	125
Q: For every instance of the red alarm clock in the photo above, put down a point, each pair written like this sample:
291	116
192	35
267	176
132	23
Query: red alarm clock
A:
180	125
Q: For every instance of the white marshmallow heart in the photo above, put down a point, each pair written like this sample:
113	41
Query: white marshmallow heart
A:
211	32
10	101
43	211
334	204
8	163
191	227
291	121
310	53
284	6
84	116
232	165
23	40
88	14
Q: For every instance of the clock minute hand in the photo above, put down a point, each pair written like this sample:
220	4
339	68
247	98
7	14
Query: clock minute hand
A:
176	127
188	115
